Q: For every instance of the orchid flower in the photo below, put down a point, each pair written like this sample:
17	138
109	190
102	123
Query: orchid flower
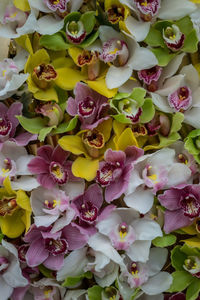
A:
9	123
155	172
13	164
125	54
11	275
125	230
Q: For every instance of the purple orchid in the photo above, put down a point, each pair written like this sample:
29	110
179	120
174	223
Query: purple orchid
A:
115	171
9	123
88	207
150	77
51	166
148	8
50	248
90	106
60	5
182	206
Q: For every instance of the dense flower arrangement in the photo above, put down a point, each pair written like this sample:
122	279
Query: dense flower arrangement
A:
99	150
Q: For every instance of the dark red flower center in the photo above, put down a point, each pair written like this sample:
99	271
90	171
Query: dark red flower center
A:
88	212
56	247
22	250
86	107
5	126
105	174
115	13
58	173
191	206
7	206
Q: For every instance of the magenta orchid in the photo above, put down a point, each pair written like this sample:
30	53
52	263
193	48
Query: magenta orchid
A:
90	106
115	171
182	205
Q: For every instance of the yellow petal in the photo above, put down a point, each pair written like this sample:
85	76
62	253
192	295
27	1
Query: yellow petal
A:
32	87
26	218
118	127
72	143
46	95
99	85
126	139
22	4
63	62
39	57
13	226
74	52
105	128
8	187
23	200
190	230
24	42
193	242
85	168
68	78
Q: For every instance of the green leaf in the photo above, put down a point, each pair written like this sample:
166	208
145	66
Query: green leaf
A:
164	241
193	290
45	271
181	280
54	42
65	127
178	258
154	38
163	56
148	111
32	125
44	132
71	281
94	293
91	39
88	20
191	42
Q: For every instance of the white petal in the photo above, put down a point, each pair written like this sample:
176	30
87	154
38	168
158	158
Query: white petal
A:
74	189
26	183
75	5
175	9
134	181
139	251
154	297
162	157
143	59
108	279
157	284
4	45
115	77
196	98
63	221
161	103
172	67
6	289
106	225
49	25
16	82
146	229
171	85
45	220
191	76
75	294
11	150
192	117
74	264
21	58
22	164
98	242
106	33
40	5
140	200
179	173
30	25
128	86
138	29
157	260
10	247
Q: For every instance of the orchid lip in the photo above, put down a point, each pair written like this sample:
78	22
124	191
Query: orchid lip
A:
148	8
116	51
191	207
75	32
87	57
115	14
56	247
22	250
54	5
5	126
181	99
58	173
93	138
150	75
7	206
105	174
173	38
87	107
88	212
4	264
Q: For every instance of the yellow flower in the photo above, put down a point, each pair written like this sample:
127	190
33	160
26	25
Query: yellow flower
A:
91	145
124	136
46	75
22	4
15	211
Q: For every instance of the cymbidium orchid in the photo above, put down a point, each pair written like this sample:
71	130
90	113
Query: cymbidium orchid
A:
15	211
125	230
13	164
147	276
155	172
51	247
124	55
9	123
11	274
116	12
182	205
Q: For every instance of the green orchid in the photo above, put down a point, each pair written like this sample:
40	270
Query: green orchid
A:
131	107
77	30
186	261
192	144
168	38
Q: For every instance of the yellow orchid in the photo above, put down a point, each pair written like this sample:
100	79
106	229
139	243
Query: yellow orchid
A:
117	13
91	144
22	5
194	230
46	75
15	211
89	64
124	136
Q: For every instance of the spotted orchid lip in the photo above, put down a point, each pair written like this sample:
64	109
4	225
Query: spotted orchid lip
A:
5	127
75	32
105	174
148	7
13	14
56	247
192	265
54	5
88	212
115	13
190	206
87	107
94	138
22	250
7	206
116	51
87	57
173	38
58	173
4	264
150	75
122	236
181	99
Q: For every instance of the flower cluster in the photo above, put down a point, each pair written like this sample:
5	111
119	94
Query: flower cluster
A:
99	150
